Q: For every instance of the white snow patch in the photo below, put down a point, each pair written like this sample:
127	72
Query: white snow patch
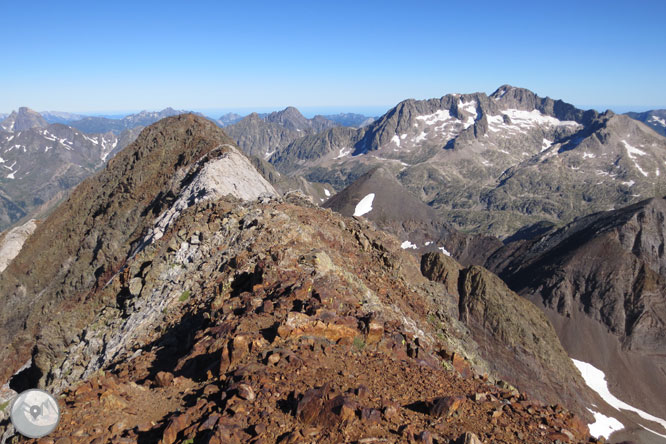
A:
365	205
403	136
395	139
629	183
588	156
2	160
10	138
11	175
326	192
444	250
656	173
656	119
420	138
546	144
428	243
268	154
95	141
633	152
652	431
524	120
407	244
604	425
469	107
441	115
596	380
343	152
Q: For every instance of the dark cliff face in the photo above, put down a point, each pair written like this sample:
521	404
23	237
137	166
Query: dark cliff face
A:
611	265
604	272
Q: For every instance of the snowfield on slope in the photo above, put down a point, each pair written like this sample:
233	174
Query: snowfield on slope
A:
604	425
365	205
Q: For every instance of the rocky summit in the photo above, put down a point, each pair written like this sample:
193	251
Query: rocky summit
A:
176	296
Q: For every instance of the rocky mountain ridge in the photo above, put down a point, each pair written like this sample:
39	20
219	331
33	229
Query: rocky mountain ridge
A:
170	284
599	280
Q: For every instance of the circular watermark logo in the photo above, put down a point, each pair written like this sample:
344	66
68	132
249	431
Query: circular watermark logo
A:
35	413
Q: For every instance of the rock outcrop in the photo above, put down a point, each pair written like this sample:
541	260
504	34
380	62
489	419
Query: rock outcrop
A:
518	341
12	241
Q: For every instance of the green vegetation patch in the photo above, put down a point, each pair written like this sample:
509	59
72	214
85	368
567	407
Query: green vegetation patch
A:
359	343
185	296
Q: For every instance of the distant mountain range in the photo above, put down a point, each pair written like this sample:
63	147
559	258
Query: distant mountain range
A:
40	162
341	119
655	119
263	135
60	117
469	155
25	194
351	119
116	126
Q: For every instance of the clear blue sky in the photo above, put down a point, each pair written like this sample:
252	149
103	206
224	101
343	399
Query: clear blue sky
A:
119	56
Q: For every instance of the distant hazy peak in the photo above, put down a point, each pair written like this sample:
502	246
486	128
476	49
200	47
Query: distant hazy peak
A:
24	119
